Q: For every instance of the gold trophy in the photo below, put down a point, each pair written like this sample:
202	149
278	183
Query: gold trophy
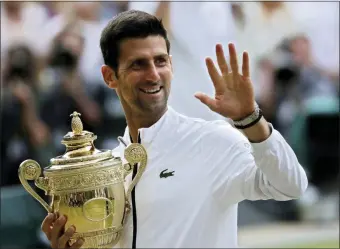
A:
87	185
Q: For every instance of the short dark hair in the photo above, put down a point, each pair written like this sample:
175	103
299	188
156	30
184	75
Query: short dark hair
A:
128	24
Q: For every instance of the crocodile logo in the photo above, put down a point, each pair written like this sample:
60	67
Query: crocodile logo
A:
165	174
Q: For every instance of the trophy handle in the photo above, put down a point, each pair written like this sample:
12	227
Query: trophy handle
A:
127	169
31	170
135	153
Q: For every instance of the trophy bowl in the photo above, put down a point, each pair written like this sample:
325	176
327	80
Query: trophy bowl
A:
87	185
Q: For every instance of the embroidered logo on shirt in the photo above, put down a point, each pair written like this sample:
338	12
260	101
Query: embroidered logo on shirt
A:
165	174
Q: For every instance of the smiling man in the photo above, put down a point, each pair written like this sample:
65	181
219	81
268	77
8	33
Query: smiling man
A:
141	78
198	171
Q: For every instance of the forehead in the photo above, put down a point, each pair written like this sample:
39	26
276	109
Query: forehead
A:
142	48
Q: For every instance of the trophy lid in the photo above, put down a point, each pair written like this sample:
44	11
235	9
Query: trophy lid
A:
80	149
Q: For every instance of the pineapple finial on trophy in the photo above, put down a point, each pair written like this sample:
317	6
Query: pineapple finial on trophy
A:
76	124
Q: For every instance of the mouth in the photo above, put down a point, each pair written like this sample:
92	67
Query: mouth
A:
152	90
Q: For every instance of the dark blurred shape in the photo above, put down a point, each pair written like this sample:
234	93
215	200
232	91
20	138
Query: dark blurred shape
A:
23	133
295	80
63	57
67	48
286	70
20	64
286	73
322	132
67	92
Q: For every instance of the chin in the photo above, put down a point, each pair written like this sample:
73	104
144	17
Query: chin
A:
156	109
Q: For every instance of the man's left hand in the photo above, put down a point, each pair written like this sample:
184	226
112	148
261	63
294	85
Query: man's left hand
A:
234	93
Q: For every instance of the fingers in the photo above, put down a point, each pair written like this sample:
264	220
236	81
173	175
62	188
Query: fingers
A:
232	82
78	243
57	230
54	230
214	75
222	63
47	224
233	59
245	65
63	240
205	99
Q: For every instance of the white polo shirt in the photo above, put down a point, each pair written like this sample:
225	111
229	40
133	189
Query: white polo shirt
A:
213	168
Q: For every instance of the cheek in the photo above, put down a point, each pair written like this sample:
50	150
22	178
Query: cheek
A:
166	76
127	86
165	72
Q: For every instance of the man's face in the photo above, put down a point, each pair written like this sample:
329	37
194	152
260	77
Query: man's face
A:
144	75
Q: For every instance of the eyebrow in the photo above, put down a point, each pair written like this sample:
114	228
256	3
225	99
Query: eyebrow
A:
143	58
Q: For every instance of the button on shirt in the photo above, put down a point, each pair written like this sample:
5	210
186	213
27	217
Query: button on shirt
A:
197	173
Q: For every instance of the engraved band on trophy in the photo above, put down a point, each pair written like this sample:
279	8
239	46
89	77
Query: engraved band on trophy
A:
87	185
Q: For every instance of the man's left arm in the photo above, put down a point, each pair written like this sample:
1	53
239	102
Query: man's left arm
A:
276	159
262	170
275	172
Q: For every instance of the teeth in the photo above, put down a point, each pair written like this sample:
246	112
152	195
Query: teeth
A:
154	90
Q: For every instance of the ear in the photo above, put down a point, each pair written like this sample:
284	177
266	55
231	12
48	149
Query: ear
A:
109	76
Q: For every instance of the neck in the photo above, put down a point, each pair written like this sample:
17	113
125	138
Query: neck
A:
138	121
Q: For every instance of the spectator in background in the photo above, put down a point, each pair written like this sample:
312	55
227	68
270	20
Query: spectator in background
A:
24	134
264	26
90	19
320	23
55	8
90	23
194	29
63	84
21	22
295	79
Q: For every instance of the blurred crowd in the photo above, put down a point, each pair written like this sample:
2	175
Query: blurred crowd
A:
51	67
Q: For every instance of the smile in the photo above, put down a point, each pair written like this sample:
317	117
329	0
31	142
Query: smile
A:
151	90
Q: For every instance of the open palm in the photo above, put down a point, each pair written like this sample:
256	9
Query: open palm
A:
234	93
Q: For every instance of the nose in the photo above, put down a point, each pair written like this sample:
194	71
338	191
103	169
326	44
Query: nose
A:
153	74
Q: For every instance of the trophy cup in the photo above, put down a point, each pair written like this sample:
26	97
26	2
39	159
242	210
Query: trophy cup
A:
87	185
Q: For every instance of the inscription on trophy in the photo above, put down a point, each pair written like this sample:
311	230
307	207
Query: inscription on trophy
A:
98	209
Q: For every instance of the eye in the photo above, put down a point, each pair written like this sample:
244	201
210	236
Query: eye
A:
137	65
161	61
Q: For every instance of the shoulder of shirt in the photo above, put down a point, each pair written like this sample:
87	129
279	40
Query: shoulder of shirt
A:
211	131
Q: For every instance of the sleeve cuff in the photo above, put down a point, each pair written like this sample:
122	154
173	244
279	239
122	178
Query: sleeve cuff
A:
268	143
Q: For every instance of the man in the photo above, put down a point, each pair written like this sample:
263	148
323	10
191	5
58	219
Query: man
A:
197	170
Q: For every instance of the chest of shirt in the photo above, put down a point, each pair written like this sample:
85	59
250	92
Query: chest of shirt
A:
175	178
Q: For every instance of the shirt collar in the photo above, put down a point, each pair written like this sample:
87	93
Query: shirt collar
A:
149	134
